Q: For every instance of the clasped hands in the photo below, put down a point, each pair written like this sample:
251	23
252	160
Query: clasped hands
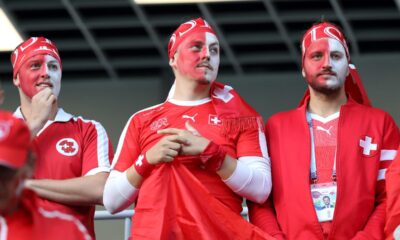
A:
177	142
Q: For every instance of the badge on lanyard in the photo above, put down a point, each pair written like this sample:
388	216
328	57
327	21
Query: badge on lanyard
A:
324	199
323	194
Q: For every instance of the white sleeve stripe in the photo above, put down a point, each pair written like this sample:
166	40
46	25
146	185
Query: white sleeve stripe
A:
121	142
66	217
102	144
381	174
97	170
263	142
3	229
387	154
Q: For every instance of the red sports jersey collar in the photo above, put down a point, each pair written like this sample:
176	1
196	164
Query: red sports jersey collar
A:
61	116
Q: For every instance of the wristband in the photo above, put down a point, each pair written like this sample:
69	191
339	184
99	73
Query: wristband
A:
213	156
142	166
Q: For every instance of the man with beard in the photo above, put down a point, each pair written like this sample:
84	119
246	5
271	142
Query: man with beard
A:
190	160
74	152
334	144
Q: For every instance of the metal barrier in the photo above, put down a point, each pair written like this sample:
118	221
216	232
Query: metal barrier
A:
127	216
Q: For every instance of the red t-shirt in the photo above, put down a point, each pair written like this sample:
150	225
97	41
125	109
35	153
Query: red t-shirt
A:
140	134
32	222
71	147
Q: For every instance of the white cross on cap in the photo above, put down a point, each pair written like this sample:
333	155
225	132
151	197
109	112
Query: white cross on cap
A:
367	145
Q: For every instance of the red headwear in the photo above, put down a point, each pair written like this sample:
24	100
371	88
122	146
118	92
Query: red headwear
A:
185	29
15	141
31	47
353	84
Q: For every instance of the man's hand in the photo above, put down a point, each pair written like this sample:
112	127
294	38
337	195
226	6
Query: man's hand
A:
165	150
41	106
192	142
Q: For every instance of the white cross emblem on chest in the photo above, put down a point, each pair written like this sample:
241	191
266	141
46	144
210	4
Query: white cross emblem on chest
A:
367	145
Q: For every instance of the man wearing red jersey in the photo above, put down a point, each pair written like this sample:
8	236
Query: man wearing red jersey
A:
189	161
20	216
74	152
333	145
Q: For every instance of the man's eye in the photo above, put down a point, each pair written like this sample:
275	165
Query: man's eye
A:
35	65
53	67
214	50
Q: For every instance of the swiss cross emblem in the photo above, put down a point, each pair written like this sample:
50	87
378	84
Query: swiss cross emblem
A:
67	147
139	161
214	120
368	146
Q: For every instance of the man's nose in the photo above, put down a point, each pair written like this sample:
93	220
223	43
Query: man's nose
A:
327	61
44	72
205	53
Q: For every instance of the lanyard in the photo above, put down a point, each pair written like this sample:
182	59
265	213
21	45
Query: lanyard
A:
313	168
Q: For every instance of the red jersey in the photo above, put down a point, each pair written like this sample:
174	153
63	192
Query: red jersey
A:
34	223
365	137
393	193
71	147
140	134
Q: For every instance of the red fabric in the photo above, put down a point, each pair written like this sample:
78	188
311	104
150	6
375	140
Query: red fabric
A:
32	47
15	141
323	30
185	29
213	156
29	223
236	114
393	197
173	204
361	198
143	167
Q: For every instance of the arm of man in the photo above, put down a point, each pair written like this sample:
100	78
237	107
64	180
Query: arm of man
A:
122	186
85	190
248	176
390	142
263	216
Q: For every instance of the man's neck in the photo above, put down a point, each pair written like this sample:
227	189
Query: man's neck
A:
191	90
325	105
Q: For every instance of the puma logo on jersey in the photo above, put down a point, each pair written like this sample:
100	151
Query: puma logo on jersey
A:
328	131
67	147
190	117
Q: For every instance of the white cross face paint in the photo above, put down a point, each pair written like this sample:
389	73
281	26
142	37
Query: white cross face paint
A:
325	65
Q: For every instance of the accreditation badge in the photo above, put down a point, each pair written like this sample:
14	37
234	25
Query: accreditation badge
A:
324	199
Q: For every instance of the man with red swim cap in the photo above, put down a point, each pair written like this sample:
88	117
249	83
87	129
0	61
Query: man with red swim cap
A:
20	216
189	161
74	152
333	145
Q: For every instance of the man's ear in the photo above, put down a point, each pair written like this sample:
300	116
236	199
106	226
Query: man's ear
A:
172	60
303	73
16	81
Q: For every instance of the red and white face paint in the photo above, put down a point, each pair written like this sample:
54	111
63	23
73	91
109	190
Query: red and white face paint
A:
325	65
39	72
198	57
